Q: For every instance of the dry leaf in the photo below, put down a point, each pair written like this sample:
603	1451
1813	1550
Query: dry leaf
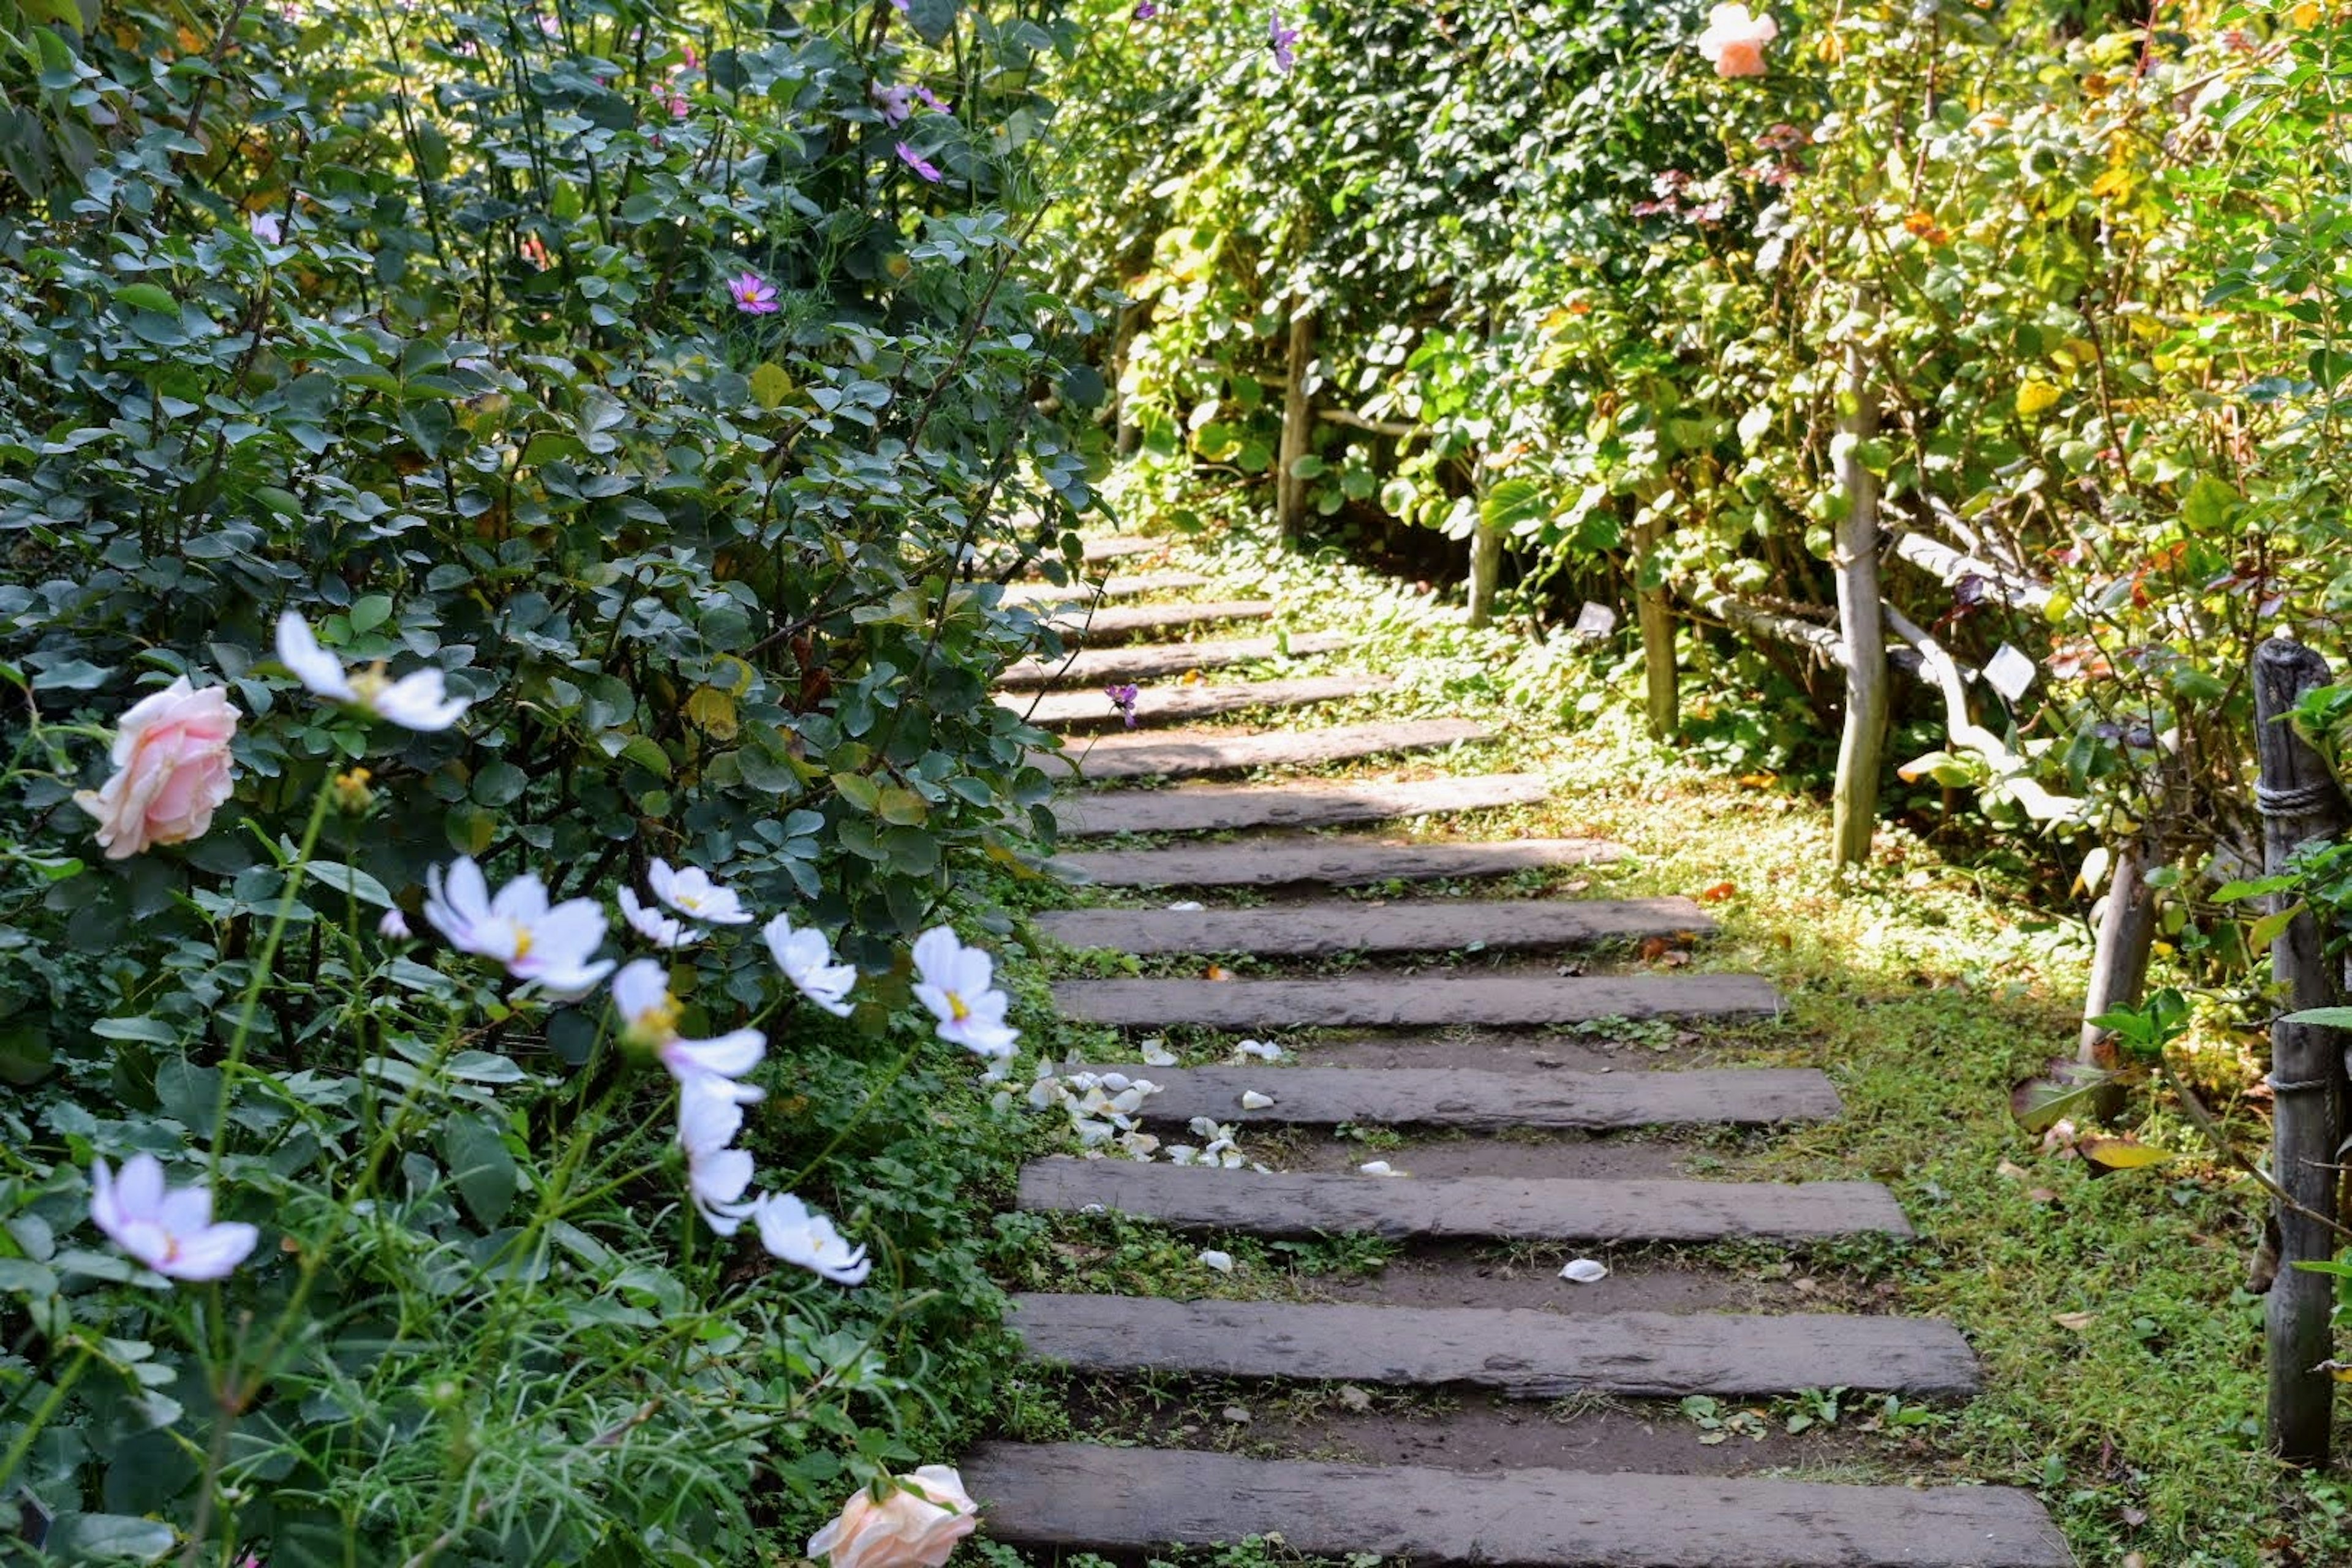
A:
1718	894
1219	972
2010	1169
2077	1321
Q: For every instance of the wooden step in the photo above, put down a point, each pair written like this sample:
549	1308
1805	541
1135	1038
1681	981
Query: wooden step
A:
1182	753
1391	1001
1526	1354
1338	862
1094	592
1220	808
1465	1096
1305	1203
1121	546
1157	661
1139	1500
1433	925
1138	620
1157	706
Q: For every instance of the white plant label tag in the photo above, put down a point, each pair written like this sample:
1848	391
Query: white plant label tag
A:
1594	621
2010	671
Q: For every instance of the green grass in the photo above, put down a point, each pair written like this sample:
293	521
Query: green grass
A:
1924	987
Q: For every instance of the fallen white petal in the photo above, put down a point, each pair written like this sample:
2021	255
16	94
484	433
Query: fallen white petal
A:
1186	907
1222	1262
1586	1271
1252	1100
1260	1050
1378	1168
1156	1053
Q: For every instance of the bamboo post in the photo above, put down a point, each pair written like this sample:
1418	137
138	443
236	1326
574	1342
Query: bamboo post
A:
1861	747
1486	571
1297	425
2127	936
2299	800
1656	615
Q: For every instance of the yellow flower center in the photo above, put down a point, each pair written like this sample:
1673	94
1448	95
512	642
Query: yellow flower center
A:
369	683
955	1006
521	942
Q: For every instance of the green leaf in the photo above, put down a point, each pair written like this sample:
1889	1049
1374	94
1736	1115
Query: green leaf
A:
858	791
352	881
147	297
1514	506
109	1538
934	19
2325	1017
151	1031
479	1164
189	1094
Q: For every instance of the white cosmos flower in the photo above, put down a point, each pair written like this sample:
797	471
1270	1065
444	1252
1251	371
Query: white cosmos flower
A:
692	892
955	981
806	959
710	1112
717	1179
649	1014
553	946
418	701
792	1231
661	930
170	1232
393	926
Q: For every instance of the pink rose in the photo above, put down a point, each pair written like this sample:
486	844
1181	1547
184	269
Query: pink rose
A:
1735	41
912	1530
171	770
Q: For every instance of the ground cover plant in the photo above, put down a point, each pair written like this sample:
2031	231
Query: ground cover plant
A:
498	763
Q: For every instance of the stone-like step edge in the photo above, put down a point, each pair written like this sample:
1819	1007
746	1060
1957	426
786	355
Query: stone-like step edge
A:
1177	756
1385	1001
1081	1496
1220	808
1463	1096
1135	620
1092	592
1322	930
1304	1203
1336	862
1522	1352
1155	661
1157	706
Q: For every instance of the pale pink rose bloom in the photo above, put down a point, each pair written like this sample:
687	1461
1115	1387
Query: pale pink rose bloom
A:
171	770
1735	41
912	1530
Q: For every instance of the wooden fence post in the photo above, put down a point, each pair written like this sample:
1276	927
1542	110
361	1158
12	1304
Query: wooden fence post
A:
1861	747
1297	425
1655	613
2300	801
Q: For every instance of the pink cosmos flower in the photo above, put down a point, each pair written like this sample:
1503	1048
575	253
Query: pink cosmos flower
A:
915	161
170	1232
753	295
928	99
171	770
895	103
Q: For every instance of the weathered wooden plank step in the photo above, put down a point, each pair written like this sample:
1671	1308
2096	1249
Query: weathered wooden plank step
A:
1184	754
1221	808
1087	592
1384	1001
1465	1096
1176	704
1120	546
1526	1355
1320	930
1082	1495
1338	862
1136	620
1308	1203
1155	661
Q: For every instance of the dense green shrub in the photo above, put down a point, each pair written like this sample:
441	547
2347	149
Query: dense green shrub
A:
675	381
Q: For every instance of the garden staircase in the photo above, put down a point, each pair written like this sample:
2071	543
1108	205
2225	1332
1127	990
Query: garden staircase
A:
1585	1502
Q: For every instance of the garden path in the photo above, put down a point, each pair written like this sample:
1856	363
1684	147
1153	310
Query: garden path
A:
1413	1434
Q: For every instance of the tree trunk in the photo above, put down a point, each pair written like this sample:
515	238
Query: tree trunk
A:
2126	934
1485	572
1861	747
2300	801
1297	426
1655	613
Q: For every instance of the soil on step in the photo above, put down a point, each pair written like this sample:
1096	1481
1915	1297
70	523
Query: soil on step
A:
1457	1277
1458	1429
1520	1157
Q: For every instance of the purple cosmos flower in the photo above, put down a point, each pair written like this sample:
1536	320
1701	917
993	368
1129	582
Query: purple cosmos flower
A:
895	103
903	6
753	295
1123	698
1146	11
930	100
915	161
1282	37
